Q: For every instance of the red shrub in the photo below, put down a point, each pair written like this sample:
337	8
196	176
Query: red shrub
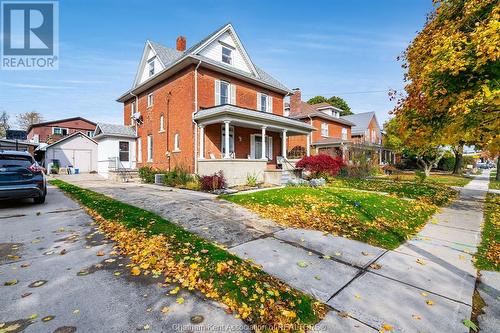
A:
321	164
213	182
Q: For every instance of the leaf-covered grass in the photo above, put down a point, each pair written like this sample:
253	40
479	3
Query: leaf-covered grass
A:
443	179
377	219
494	184
183	257
488	254
433	193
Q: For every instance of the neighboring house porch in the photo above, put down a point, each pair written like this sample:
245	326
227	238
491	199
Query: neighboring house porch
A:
243	142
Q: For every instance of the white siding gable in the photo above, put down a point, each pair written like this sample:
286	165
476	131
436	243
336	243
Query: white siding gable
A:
214	51
143	72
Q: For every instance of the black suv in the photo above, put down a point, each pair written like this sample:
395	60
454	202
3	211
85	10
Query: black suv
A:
21	177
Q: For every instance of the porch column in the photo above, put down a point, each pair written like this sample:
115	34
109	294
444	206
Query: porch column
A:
308	145
283	144
263	156
226	138
380	156
202	141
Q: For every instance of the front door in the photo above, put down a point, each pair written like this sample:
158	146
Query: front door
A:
256	147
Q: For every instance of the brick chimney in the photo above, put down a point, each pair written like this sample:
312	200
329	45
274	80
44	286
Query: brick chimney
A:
181	44
295	101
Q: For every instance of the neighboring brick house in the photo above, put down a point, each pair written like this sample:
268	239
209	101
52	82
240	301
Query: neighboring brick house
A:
332	135
52	131
367	138
209	108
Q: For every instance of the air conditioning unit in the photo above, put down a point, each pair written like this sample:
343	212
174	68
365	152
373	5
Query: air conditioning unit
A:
137	118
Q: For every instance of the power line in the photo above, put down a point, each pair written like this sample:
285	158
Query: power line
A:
349	92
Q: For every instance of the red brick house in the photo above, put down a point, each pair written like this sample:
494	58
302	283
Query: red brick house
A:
332	135
209	108
52	131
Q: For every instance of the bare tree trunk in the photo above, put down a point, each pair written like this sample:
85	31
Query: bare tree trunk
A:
425	166
458	151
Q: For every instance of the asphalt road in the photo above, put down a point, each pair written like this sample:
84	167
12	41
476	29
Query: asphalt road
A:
48	253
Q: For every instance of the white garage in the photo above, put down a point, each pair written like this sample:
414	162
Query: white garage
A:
76	150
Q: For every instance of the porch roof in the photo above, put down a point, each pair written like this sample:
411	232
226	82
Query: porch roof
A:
251	118
331	142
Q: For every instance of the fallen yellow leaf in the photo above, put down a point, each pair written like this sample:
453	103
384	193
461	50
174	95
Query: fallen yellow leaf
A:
135	271
180	300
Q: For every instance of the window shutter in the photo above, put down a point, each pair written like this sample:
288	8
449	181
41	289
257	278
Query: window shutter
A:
258	102
217	92
233	94
269	104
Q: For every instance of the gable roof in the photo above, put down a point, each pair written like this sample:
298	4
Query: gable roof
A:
325	105
69	137
361	121
307	110
171	58
104	129
45	123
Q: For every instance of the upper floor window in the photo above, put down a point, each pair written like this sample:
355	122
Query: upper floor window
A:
226	55
225	93
162	123
324	129
344	133
90	133
151	67
264	103
150	100
132	108
59	131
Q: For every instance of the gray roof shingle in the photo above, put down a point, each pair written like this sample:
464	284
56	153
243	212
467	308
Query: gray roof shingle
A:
361	121
113	129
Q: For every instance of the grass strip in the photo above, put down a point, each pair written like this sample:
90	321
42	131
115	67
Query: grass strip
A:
433	193
494	184
160	247
373	218
488	254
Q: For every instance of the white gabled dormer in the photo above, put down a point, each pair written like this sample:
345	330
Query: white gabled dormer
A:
225	47
149	66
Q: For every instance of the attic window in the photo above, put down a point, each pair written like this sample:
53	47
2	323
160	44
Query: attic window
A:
151	67
226	55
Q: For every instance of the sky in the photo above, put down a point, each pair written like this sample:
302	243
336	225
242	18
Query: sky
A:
335	47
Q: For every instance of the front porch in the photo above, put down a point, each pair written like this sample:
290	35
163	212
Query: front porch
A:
242	143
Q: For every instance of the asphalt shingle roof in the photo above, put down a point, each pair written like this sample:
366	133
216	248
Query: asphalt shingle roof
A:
361	121
168	56
113	129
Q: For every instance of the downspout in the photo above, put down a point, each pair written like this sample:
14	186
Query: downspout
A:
135	125
195	125
310	134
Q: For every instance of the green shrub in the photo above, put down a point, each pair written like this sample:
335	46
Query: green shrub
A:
193	185
177	177
251	180
447	163
147	174
420	176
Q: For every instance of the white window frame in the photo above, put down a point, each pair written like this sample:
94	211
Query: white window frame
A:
344	133
269	147
267	106
223	141
151	67
324	130
228	97
229	57
162	123
150	100
90	134
127	151
139	149
36	138
177	143
150	148
60	128
231	92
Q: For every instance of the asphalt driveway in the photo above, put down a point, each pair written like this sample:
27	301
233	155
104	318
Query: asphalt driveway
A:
52	280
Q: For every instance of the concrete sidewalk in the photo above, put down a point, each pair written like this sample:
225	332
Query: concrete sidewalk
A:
425	285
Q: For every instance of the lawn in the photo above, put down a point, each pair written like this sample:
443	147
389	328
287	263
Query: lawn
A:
377	219
494	184
437	178
159	247
488	254
433	193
